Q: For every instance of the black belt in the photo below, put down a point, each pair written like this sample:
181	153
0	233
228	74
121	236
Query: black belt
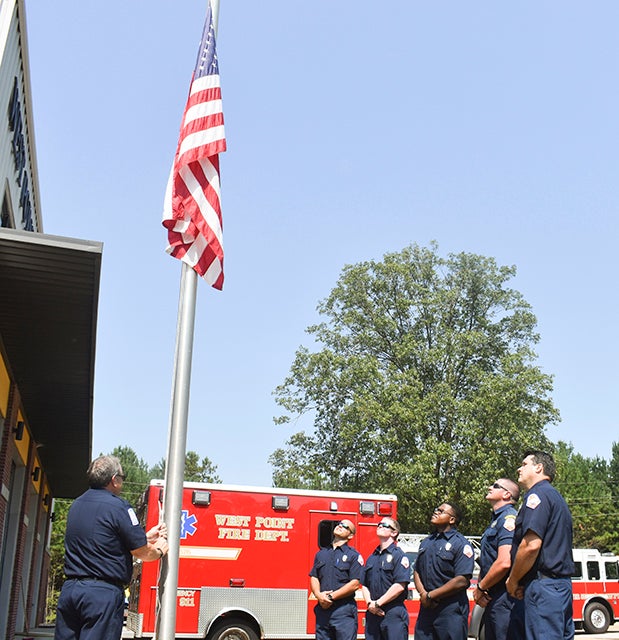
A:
116	583
550	576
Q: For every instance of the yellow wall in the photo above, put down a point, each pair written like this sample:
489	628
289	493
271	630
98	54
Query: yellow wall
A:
5	385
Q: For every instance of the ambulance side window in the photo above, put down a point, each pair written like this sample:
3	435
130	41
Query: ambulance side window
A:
612	570
325	532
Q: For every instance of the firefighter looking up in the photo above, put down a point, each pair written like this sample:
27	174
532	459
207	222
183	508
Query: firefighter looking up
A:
334	579
385	586
495	559
443	571
542	563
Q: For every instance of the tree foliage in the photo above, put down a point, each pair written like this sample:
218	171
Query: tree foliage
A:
590	490
423	384
196	470
137	472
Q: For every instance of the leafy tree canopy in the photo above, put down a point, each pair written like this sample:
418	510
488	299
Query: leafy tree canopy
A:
590	489
196	470
423	384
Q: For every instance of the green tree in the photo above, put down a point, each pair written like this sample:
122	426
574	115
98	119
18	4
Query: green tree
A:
196	470
56	549
587	486
422	384
137	472
613	471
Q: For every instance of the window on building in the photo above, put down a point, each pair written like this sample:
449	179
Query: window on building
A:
6	217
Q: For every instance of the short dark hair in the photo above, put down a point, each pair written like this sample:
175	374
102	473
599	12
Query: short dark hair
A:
545	459
101	471
457	511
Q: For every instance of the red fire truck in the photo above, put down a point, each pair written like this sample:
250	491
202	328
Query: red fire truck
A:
595	586
245	556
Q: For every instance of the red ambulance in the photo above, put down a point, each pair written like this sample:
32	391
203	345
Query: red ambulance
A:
245	556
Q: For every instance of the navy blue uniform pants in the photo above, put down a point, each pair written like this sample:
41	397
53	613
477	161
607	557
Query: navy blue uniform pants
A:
498	615
392	626
548	608
545	613
89	610
337	623
444	622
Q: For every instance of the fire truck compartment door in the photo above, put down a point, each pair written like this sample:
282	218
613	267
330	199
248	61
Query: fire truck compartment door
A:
278	611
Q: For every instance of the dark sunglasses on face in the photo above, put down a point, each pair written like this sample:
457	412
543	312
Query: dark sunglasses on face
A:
496	485
386	525
341	524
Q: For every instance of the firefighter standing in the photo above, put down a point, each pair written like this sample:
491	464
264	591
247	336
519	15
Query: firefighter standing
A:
334	579
495	559
443	571
102	537
385	585
542	563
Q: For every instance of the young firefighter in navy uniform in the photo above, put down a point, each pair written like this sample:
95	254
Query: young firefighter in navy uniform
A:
385	586
334	579
443	571
495	559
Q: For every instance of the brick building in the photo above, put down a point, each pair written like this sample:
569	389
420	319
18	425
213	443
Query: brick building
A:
49	289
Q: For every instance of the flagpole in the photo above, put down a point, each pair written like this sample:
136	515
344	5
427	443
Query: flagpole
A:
177	443
165	624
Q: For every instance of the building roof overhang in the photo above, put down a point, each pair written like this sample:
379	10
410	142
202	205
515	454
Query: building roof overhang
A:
48	321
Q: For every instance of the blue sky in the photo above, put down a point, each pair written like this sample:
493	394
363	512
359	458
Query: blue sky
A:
354	129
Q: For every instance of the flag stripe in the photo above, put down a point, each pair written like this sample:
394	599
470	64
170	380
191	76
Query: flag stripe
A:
192	207
199	142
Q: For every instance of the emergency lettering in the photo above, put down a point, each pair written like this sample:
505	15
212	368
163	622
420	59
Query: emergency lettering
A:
274	523
233	534
232	521
271	536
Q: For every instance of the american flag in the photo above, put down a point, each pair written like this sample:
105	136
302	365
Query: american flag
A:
192	208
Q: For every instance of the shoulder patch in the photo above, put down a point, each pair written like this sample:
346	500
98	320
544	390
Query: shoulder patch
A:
404	562
360	559
133	517
467	550
510	523
533	501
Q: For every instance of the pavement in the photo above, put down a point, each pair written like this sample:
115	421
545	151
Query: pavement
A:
611	634
47	633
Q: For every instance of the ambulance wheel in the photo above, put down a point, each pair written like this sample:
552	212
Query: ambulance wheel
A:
233	629
596	618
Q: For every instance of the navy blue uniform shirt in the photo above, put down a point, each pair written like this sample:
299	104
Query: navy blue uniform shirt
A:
546	513
384	568
500	532
336	567
102	530
443	556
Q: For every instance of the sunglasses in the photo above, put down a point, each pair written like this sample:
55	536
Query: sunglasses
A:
386	525
122	476
345	526
496	485
441	511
